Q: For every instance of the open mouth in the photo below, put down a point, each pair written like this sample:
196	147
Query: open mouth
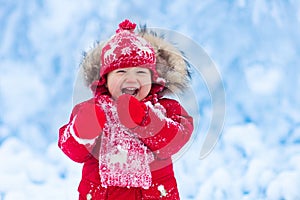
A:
132	91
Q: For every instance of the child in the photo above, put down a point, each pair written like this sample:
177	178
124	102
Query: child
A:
126	134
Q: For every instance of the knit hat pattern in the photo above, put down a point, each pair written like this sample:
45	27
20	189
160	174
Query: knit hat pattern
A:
127	49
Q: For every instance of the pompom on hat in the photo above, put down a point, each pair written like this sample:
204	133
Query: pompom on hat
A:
127	49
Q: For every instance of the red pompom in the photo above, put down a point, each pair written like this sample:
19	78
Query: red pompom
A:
126	25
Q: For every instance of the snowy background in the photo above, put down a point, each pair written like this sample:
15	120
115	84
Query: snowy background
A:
254	44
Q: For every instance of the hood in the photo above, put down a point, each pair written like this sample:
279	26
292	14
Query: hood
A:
170	63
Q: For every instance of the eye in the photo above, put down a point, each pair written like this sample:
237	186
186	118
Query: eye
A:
121	71
143	71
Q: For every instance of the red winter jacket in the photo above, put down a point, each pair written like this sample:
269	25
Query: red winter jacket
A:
175	133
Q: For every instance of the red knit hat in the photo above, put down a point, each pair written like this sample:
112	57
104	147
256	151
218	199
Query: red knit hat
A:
127	49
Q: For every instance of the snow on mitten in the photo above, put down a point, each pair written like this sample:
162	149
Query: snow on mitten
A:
131	111
89	121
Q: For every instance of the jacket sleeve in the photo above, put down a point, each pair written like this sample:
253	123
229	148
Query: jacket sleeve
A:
70	140
167	132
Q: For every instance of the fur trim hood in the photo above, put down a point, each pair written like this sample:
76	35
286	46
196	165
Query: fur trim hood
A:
170	63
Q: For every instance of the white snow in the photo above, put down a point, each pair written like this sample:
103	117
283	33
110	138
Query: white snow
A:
254	44
162	190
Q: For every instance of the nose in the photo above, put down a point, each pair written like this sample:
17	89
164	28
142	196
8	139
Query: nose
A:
130	77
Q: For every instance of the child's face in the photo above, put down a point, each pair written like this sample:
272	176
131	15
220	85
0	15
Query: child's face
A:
135	81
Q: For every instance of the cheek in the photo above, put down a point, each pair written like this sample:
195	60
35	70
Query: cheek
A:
113	87
146	81
146	88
